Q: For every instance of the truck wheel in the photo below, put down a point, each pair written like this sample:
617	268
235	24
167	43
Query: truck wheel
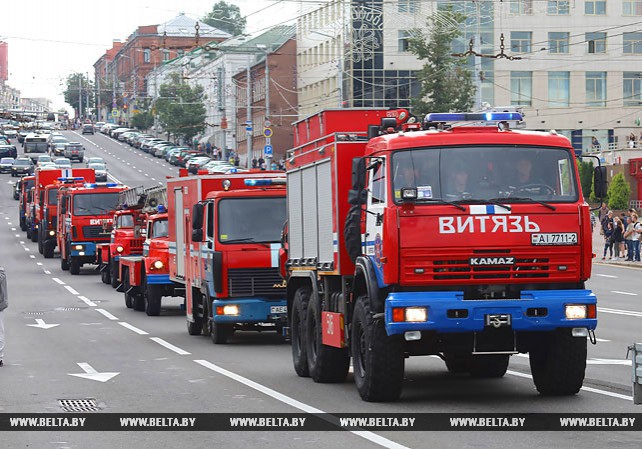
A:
34	235
326	364
457	364
207	315
113	273
378	359
28	231
48	250
221	332
128	301
138	302
153	296
64	263
23	224
297	329
41	239
194	327
489	366
105	276
74	266
558	364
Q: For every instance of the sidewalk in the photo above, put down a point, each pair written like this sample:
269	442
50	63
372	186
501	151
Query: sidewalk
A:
598	249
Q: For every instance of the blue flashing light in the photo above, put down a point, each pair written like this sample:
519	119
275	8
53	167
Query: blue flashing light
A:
63	179
258	182
161	209
474	117
90	185
112	184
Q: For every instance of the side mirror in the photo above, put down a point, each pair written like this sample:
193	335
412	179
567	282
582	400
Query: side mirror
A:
599	182
358	173
197	235
197	217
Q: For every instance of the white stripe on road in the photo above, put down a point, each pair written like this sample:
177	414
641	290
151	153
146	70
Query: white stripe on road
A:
169	346
107	314
39	264
71	290
618	311
87	301
58	281
133	328
32	256
377	439
623	293
610	276
47	272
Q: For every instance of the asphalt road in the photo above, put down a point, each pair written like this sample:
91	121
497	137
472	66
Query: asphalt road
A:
158	367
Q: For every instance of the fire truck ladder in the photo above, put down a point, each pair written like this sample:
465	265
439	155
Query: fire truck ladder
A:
154	196
130	197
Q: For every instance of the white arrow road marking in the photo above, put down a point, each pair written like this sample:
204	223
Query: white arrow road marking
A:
91	374
41	324
623	293
169	346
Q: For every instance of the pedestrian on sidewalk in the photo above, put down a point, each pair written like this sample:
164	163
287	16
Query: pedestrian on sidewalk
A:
602	215
628	239
637	231
608	240
4	303
618	238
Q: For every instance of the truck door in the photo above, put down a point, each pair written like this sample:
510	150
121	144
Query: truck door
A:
180	232
377	182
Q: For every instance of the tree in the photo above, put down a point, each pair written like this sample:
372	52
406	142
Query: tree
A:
180	108
226	17
586	177
446	83
78	84
619	193
143	119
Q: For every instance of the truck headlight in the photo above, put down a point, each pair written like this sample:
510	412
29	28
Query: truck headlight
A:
229	309
409	314
580	311
52	232
158	264
120	249
78	247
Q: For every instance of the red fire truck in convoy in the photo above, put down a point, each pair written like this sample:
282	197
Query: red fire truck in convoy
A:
126	237
224	233
84	218
26	183
467	242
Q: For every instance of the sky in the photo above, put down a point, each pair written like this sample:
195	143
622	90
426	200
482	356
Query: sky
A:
48	40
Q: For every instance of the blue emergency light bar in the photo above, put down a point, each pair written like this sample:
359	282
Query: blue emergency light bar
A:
90	185
112	184
474	117
264	182
71	179
161	209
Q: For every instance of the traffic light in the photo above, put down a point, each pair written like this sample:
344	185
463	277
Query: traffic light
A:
125	107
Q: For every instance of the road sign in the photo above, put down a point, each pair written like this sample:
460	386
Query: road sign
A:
267	124
267	150
268	141
267	132
248	128
114	112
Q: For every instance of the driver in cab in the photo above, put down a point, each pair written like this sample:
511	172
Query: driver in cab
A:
524	179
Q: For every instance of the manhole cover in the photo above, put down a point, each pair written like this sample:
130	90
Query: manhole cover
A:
78	405
34	313
68	309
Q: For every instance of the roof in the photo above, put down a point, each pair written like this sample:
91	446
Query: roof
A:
182	25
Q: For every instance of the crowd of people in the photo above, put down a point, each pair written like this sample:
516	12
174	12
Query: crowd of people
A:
621	234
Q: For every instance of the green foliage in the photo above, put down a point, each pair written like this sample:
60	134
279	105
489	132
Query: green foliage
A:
180	108
446	82
619	193
586	177
74	85
226	17
142	120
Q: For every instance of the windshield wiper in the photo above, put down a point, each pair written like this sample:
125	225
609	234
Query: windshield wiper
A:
492	201
518	199
442	201
247	239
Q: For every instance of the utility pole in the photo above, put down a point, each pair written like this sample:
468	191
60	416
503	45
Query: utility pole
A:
80	96
87	108
248	116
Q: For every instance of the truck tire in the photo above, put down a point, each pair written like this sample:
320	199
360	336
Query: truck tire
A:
297	329
28	230
558	364
378	359
138	302
23	224
34	235
195	327
113	274
153	295
48	250
326	364
41	239
206	301
64	263
489	366
220	332
74	266
457	364
105	276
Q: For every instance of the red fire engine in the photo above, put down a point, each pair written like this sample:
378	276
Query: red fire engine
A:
223	243
84	219
26	183
467	242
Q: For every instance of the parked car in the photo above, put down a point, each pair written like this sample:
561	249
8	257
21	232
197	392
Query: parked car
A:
87	128
22	166
10	133
101	171
8	151
195	163
74	150
63	162
98	125
5	164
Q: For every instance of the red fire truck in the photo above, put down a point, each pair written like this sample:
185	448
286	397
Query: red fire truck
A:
126	237
223	243
84	219
26	183
467	242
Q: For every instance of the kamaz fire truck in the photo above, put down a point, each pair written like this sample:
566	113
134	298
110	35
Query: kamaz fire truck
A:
26	183
126	236
84	218
224	234
467	242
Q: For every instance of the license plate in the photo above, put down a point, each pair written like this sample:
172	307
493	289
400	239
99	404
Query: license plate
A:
554	238
278	309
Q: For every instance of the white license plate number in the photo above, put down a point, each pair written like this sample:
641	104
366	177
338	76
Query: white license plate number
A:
278	309
554	238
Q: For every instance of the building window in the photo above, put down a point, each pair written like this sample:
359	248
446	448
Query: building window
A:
595	7
521	7
402	40
632	89
632	43
558	7
596	89
558	42
410	6
520	41
632	8
165	55
521	88
180	52
147	55
596	42
559	87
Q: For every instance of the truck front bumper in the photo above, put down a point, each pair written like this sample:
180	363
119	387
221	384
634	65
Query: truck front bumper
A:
250	310
158	279
83	249
448	312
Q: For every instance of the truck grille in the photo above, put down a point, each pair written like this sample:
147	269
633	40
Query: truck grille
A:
93	232
136	245
255	282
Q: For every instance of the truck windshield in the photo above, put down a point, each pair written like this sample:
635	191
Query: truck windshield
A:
495	173
95	203
250	220
125	221
53	197
159	229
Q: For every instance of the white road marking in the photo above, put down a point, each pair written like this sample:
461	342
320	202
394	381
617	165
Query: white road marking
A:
32	256
22	242
623	293
17	235
91	374
47	272
619	311
87	301
42	325
370	436
39	264
27	249
13	229
133	328
107	314
153	179
71	290
624	362
169	346
58	281
610	276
